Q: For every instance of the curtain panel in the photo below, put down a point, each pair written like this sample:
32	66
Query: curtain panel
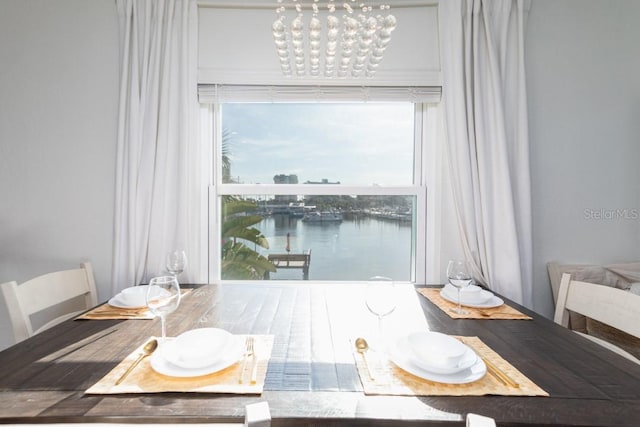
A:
157	177
484	98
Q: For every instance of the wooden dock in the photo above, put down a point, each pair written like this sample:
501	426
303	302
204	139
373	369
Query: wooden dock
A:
289	261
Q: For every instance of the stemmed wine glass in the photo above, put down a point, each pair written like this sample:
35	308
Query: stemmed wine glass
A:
176	262
381	299
459	275
163	298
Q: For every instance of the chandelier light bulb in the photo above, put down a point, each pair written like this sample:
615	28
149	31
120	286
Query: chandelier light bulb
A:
308	39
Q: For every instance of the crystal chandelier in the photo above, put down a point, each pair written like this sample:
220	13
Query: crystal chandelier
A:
349	45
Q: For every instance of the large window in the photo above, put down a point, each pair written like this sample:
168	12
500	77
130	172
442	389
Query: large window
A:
324	191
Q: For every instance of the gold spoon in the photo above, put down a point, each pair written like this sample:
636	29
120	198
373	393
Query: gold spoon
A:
362	346
148	348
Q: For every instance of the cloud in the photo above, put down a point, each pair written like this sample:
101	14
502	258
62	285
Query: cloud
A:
351	143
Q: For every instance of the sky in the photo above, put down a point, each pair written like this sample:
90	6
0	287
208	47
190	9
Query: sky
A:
356	144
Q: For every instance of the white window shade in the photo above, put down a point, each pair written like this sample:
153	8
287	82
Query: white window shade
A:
209	94
235	46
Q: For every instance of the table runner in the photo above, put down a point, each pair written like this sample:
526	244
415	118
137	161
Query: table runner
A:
394	381
501	312
143	379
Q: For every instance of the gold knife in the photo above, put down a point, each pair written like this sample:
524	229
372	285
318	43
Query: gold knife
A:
254	368
497	373
113	314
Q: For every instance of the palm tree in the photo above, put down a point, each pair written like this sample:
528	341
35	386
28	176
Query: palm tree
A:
238	260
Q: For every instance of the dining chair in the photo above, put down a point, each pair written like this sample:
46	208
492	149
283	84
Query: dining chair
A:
475	420
49	299
614	307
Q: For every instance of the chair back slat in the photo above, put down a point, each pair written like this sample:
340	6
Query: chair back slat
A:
47	291
614	307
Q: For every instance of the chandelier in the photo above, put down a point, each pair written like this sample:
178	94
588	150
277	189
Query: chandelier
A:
352	44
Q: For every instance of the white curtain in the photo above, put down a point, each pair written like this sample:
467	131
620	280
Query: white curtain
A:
158	174
484	96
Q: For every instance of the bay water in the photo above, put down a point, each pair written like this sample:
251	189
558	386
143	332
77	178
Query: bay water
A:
353	250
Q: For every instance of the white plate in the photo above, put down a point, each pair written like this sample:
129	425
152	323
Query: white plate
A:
492	302
471	294
232	355
135	296
196	348
435	349
116	302
469	375
468	359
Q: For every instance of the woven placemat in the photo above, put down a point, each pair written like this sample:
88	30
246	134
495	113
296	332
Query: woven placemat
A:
143	379
501	312
110	312
392	380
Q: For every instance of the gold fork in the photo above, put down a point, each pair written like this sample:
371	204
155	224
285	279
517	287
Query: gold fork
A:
248	352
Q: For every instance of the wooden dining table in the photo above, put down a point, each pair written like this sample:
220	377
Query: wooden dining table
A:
312	378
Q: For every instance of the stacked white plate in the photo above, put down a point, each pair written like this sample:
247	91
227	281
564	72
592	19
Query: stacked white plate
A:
471	296
135	296
197	352
438	357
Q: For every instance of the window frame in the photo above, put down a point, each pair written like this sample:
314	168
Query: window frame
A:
425	165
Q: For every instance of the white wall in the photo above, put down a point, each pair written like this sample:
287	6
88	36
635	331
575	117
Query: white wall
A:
235	46
58	122
583	68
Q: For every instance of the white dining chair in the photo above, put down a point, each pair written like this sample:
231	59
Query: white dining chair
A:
475	420
49	299
614	307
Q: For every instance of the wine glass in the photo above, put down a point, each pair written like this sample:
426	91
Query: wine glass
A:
381	299
176	262
459	275
163	297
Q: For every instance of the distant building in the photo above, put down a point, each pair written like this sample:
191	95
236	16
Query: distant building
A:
285	179
324	181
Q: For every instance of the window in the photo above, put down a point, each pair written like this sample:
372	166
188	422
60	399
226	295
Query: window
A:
335	191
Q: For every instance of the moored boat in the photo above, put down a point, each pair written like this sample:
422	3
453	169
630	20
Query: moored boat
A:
323	216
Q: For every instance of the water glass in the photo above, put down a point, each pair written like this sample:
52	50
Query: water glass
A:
163	298
176	262
381	299
459	275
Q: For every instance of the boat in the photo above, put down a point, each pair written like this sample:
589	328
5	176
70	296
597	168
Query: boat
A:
296	210
323	216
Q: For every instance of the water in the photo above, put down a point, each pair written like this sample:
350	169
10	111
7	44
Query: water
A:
355	249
